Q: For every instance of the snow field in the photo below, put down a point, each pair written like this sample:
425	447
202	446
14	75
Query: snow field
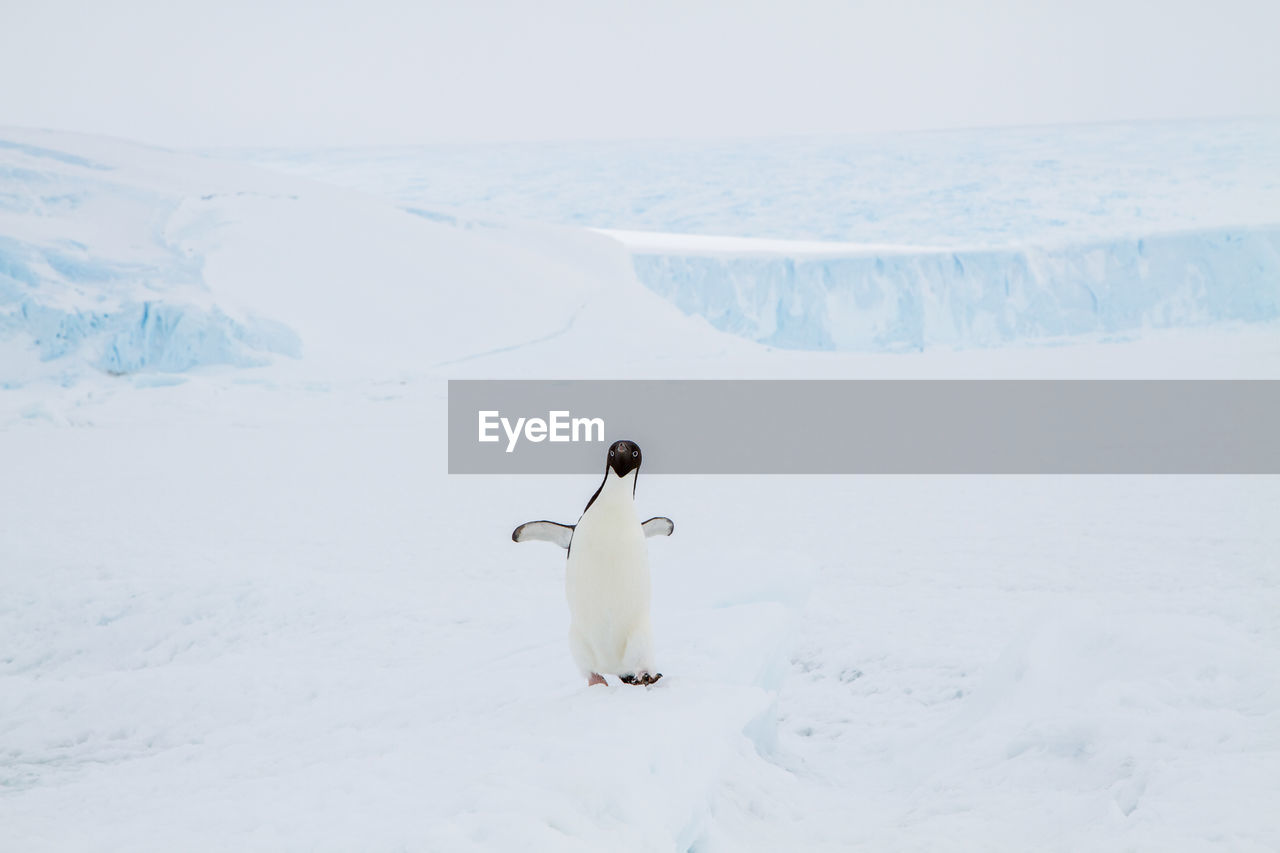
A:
285	641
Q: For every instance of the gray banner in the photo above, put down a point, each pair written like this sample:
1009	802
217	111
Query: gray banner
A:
868	427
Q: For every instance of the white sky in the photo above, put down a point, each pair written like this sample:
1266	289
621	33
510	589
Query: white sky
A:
326	73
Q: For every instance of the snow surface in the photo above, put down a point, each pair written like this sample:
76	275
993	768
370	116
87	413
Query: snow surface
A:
292	639
976	188
243	607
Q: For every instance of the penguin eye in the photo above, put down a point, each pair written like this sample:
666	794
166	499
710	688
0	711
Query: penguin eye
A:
610	452
635	453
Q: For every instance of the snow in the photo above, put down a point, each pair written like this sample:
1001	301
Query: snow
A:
974	188
292	639
718	246
899	242
243	607
179	262
124	259
93	271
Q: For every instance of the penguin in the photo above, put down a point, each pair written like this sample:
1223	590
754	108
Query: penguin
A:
607	574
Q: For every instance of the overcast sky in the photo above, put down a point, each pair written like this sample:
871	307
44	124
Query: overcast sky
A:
323	73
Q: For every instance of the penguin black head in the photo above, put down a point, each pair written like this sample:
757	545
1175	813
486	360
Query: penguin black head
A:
624	457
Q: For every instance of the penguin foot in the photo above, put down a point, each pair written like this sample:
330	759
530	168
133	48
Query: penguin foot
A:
643	679
596	678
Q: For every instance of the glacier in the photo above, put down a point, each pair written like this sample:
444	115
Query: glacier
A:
123	259
95	275
999	235
123	335
900	298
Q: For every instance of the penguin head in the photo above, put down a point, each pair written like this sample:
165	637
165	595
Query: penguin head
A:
624	457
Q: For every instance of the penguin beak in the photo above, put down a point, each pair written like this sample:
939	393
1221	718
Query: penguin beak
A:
624	459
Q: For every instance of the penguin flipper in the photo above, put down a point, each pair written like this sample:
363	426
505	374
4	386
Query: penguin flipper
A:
545	531
658	526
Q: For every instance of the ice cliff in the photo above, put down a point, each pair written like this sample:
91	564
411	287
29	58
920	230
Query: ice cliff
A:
902	299
92	273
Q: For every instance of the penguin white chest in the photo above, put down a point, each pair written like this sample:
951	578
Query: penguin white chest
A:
607	585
